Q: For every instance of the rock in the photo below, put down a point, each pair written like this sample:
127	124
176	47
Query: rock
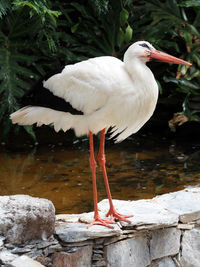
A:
6	256
164	242
190	256
147	214
184	203
153	238
26	218
97	251
96	257
73	218
34	253
165	262
185	226
100	263
21	250
2	238
80	258
51	249
25	262
43	260
46	243
128	252
114	239
76	232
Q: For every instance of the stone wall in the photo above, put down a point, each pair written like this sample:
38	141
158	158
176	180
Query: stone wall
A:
164	232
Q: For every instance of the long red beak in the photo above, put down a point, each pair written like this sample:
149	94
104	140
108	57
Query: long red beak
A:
168	58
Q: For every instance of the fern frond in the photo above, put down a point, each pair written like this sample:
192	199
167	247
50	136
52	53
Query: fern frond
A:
4	7
38	7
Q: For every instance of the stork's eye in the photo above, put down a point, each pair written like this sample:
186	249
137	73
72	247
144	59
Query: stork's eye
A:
145	45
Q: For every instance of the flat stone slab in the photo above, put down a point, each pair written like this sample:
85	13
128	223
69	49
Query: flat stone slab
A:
80	258
185	203
147	214
6	256
24	218
165	262
135	252
79	232
26	262
190	255
164	242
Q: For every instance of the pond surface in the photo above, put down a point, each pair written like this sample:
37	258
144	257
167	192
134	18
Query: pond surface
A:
137	168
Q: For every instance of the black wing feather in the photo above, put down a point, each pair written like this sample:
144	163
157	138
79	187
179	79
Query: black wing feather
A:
40	96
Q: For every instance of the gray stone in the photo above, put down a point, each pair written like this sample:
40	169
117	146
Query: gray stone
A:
2	238
21	250
82	257
25	261
100	263
129	252
6	256
96	257
190	256
46	243
184	203
73	218
114	239
147	214
76	232
97	251
164	242
165	262
52	249
185	226
25	218
34	253
44	260
77	244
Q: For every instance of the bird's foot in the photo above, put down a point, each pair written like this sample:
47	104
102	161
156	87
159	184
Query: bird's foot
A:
115	216
99	221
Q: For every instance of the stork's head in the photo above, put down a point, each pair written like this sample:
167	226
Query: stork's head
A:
146	52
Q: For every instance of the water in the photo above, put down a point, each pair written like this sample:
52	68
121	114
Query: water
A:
137	168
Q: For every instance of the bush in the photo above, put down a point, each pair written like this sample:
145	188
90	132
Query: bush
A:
37	37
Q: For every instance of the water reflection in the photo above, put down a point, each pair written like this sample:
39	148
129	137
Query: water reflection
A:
63	175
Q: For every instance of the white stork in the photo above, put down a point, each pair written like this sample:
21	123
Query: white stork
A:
101	93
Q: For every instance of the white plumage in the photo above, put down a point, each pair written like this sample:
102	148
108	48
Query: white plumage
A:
109	92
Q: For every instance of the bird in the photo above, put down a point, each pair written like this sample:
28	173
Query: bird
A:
99	94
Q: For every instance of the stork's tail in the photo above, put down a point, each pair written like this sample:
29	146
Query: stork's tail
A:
41	115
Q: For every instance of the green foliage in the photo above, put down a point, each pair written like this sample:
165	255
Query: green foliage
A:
21	33
176	27
4	7
96	34
38	7
38	36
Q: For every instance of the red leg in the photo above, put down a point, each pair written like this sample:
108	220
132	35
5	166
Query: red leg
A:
102	160
97	219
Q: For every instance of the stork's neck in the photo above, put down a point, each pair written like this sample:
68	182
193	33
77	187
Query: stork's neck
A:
138	70
142	77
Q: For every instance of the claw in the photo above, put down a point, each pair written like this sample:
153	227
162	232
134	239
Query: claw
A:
114	216
99	221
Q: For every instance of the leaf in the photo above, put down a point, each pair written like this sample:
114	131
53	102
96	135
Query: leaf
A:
123	16
74	27
128	34
81	9
159	87
120	37
193	3
5	5
37	7
30	131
